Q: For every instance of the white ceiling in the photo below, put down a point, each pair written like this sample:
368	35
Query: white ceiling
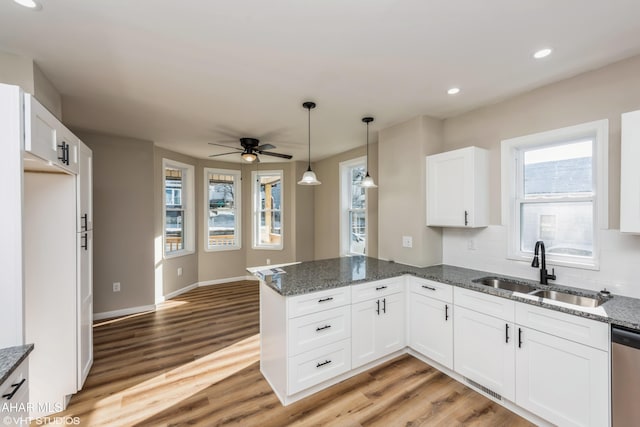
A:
186	72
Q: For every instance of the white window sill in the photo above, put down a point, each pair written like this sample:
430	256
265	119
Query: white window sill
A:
267	248
551	261
178	254
223	249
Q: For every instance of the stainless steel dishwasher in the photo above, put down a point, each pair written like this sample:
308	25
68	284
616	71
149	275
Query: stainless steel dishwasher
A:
625	377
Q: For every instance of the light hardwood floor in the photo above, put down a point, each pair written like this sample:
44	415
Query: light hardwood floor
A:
195	362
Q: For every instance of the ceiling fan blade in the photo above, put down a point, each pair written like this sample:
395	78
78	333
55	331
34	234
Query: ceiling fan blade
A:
223	154
270	153
225	146
265	147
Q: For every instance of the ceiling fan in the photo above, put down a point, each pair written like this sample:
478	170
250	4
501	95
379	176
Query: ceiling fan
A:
251	149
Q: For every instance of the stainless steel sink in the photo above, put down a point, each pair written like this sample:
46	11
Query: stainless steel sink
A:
496	282
568	298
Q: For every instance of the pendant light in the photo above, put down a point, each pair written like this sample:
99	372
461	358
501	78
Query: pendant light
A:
309	177
367	182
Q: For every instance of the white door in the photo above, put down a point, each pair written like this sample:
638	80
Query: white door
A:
390	327
364	316
562	381
446	187
484	350
431	328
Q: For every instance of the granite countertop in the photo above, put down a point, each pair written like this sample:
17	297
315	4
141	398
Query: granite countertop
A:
311	276
10	359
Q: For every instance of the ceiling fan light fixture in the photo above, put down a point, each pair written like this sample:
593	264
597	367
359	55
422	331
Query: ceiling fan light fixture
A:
248	156
367	181
309	177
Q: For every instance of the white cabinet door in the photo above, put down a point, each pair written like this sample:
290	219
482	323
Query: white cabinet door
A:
377	328
85	305
457	188
46	137
391	324
484	350
85	189
364	316
630	173
431	328
562	381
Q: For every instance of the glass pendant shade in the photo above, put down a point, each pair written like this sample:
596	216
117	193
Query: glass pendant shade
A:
309	178
367	182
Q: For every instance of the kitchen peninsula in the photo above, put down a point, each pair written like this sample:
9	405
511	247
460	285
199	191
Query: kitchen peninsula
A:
324	321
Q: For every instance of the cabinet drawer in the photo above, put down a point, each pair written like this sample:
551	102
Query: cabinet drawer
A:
431	289
316	366
318	329
574	328
379	288
20	398
301	305
484	303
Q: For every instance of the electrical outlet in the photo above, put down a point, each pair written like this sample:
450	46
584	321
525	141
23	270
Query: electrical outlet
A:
471	245
116	286
268	261
407	241
179	271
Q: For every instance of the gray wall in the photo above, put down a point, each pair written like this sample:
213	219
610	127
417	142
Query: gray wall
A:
327	203
600	94
124	212
402	191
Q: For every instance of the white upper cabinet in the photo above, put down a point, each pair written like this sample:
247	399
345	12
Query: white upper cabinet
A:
458	188
630	173
47	138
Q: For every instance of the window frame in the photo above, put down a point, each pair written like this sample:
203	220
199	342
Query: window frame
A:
256	210
188	199
345	168
237	185
512	185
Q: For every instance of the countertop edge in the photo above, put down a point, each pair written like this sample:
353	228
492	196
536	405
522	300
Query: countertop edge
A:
11	358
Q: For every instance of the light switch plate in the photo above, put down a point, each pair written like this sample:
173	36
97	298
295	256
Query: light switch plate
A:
407	241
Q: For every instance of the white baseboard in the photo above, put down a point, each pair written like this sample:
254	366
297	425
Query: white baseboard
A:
123	312
227	280
176	293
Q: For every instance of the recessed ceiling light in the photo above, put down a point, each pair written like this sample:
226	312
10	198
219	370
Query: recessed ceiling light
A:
542	53
31	4
453	91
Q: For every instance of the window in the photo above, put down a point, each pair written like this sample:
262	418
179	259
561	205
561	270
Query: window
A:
555	190
267	209
178	215
353	208
222	209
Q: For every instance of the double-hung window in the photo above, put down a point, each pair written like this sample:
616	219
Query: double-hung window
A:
555	190
178	212
222	209
353	207
267	192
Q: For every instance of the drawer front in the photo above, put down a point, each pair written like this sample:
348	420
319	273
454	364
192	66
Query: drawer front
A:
431	289
379	288
574	328
319	329
19	398
301	305
316	366
484	303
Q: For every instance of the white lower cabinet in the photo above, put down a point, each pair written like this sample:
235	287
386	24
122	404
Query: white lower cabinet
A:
559	379
377	328
430	325
484	351
313	367
15	397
